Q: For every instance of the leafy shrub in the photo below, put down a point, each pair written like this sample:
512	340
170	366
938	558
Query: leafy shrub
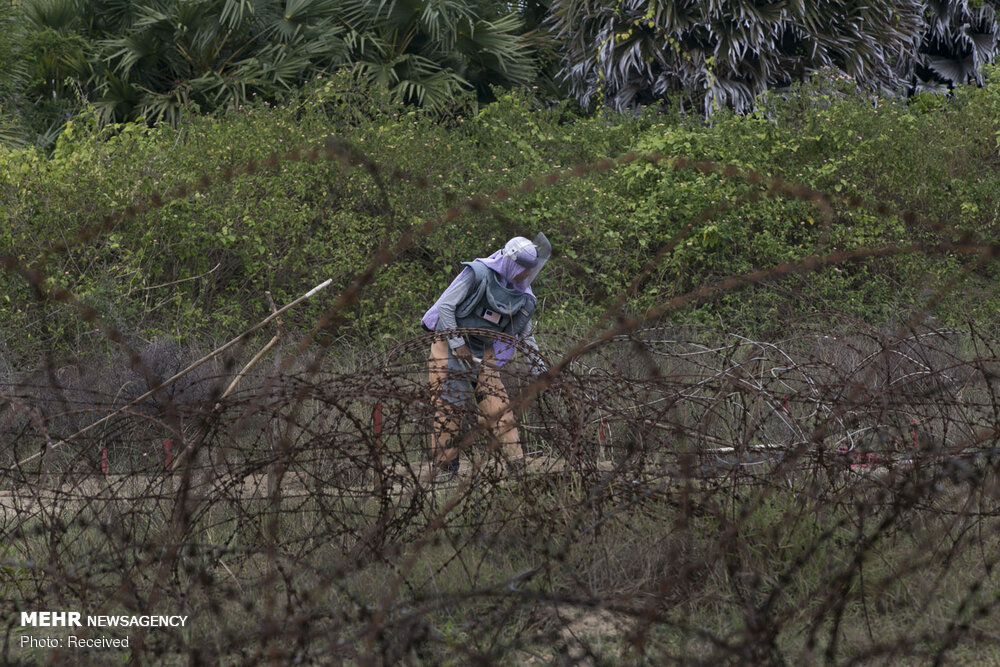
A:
199	266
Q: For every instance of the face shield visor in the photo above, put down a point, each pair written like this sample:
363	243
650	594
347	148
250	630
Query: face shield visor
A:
528	255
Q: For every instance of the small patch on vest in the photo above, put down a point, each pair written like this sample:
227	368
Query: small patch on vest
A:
491	316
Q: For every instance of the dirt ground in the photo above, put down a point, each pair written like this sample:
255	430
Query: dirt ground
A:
27	499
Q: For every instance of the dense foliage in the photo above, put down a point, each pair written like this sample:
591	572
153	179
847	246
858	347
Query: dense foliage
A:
13	77
199	266
161	59
724	54
711	55
959	37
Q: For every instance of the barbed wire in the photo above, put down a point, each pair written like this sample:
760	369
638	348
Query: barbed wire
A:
688	495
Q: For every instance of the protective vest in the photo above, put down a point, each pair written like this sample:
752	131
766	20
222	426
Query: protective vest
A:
490	305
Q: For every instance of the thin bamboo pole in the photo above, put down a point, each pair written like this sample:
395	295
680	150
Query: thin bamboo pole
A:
183	372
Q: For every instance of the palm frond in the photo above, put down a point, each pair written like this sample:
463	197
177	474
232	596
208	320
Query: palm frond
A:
724	52
951	69
958	39
126	53
12	135
236	12
59	15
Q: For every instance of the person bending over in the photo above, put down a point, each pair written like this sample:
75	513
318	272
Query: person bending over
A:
492	293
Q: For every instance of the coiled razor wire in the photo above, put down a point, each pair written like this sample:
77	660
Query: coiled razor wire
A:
300	522
693	495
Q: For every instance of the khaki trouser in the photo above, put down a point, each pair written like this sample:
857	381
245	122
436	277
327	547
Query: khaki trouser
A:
493	404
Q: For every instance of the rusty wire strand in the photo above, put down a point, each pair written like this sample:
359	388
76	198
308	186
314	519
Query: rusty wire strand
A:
672	469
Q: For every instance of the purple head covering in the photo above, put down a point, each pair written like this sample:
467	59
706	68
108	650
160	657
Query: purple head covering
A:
509	263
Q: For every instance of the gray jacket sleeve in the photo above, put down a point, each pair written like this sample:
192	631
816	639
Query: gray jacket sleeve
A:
449	301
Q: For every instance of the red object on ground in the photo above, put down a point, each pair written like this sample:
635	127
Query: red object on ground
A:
866	459
168	454
863	459
104	459
601	433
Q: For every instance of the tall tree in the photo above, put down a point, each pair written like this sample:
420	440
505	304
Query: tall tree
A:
55	58
155	58
426	51
14	76
210	54
959	37
715	53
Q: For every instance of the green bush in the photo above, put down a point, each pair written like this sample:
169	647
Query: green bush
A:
198	266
